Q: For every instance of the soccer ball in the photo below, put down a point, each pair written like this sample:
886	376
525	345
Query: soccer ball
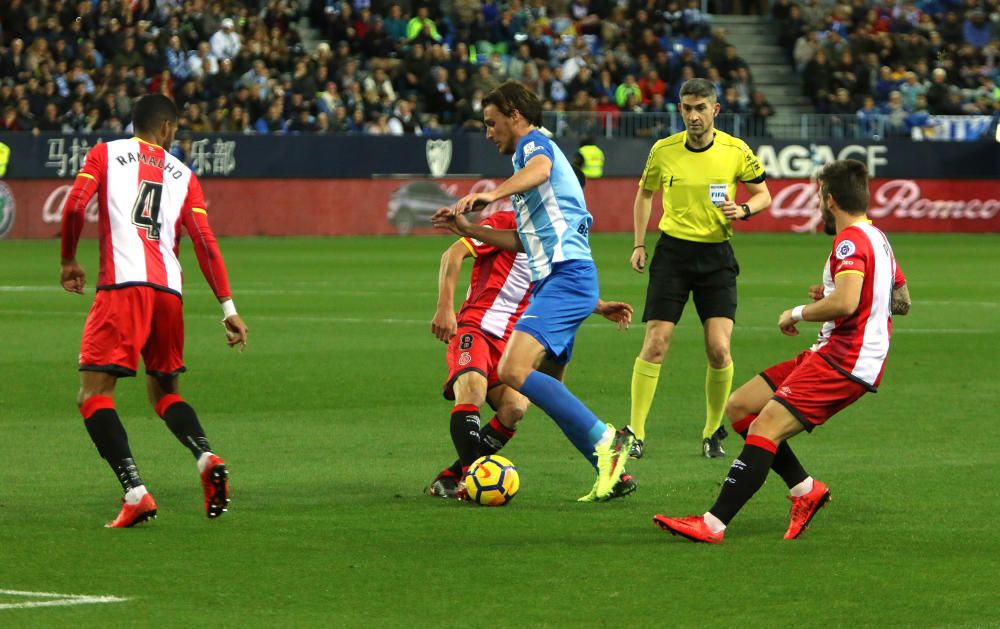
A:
492	481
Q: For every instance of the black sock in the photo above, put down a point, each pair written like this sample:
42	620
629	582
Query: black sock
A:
465	433
492	438
183	422
108	434
746	476
786	464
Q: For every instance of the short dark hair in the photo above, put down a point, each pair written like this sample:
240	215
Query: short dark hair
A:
151	111
700	88
846	181
512	95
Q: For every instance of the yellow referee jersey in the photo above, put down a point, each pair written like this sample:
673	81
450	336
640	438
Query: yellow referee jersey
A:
686	176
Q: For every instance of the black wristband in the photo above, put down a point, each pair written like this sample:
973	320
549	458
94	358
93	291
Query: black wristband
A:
746	212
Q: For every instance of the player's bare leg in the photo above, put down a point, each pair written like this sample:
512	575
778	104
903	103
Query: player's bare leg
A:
525	366
470	390
645	377
807	495
718	383
774	425
96	403
181	419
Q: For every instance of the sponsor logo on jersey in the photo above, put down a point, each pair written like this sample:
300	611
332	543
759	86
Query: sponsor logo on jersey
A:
7	209
845	249
530	148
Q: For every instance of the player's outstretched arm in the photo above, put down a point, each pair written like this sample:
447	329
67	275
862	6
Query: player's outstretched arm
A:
618	312
840	303
506	239
444	323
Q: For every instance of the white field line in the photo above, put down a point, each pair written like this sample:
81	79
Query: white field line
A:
636	325
325	289
54	599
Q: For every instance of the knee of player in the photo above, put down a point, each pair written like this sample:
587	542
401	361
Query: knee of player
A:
512	375
718	356
510	416
735	409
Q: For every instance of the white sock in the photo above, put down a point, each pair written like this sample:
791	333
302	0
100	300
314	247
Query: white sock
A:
714	523
203	461
802	488
134	495
606	438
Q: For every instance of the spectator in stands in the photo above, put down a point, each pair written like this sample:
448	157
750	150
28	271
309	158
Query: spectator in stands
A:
760	111
816	82
730	102
422	28
395	25
650	85
403	120
895	113
937	91
628	87
225	42
379	126
201	62
8	122
272	122
868	118
910	89
976	30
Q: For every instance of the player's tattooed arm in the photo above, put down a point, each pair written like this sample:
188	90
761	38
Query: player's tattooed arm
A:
900	304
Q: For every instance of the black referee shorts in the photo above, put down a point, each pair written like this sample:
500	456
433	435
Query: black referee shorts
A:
681	267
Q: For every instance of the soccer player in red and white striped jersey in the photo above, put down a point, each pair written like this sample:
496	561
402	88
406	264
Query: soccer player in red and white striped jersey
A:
862	288
498	293
145	195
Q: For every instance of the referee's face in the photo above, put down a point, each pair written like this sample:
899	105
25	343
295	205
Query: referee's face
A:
499	130
699	114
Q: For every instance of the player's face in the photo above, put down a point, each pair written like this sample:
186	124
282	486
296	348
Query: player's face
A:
829	222
499	130
167	132
699	114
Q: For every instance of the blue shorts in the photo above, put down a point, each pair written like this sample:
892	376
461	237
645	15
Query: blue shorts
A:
559	304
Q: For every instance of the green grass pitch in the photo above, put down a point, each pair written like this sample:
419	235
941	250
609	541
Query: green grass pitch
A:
332	424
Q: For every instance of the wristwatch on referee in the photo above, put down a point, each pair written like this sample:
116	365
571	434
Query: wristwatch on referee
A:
746	212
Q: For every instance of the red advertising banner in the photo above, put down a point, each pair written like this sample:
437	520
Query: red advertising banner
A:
311	207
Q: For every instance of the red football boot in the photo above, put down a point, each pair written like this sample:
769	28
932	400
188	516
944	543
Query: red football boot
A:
804	508
215	483
692	527
130	515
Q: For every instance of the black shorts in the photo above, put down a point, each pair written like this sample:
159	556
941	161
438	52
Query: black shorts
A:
681	267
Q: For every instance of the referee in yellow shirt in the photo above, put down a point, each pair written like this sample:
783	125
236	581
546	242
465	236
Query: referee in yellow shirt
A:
698	170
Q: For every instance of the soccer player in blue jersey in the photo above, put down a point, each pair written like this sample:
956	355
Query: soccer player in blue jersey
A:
553	226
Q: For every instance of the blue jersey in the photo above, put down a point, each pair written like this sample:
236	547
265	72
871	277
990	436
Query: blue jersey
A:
552	218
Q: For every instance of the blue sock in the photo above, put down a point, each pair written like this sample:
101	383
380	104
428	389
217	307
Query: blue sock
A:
577	422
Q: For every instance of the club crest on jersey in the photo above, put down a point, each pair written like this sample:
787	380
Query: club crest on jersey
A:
465	359
530	148
845	249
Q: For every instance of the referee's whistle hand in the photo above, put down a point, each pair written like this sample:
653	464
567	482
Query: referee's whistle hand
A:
639	259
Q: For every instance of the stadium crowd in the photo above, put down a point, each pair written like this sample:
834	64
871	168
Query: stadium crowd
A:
904	60
74	66
392	68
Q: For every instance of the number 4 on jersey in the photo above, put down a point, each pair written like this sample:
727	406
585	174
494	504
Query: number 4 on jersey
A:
146	211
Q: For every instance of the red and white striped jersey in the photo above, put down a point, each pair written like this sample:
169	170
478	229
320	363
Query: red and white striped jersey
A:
859	343
500	285
145	194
